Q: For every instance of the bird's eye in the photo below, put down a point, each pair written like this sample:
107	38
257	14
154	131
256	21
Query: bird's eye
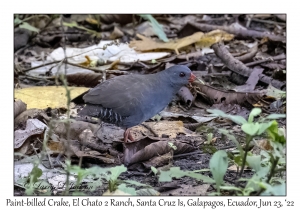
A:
182	74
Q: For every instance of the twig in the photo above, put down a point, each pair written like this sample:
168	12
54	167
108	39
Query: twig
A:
35	151
99	70
192	126
150	129
39	66
248	56
36	78
268	21
48	156
272	171
240	68
77	65
275	58
248	140
68	95
243	33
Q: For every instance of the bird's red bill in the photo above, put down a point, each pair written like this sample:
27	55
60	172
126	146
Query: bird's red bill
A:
192	77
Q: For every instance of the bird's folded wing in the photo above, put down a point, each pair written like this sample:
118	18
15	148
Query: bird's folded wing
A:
119	93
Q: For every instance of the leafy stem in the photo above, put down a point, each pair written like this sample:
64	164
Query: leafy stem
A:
248	140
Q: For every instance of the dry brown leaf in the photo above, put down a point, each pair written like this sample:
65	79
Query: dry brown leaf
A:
76	128
233	168
55	147
47	96
75	147
213	37
116	18
89	79
148	148
203	40
22	118
148	44
33	127
170	128
264	144
19	107
216	96
158	161
25	148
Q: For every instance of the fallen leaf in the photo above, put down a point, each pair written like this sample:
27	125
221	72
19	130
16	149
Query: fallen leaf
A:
170	128
202	40
48	96
19	107
148	148
148	44
33	127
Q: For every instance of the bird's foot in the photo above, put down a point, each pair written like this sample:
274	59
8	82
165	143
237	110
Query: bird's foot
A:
128	136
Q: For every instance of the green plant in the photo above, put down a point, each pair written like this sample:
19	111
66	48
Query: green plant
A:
267	165
157	28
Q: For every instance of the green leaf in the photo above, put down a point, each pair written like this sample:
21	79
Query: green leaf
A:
136	183
197	176
201	170
238	159
253	113
154	170
254	162
274	92
275	116
35	173
274	133
166	176
232	138
209	137
172	145
116	171
29	27
17	21
230	188
250	128
235	118
277	190
177	173
216	112
218	165
157	28
263	127
128	190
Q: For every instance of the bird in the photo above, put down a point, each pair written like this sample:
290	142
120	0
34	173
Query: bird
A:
129	100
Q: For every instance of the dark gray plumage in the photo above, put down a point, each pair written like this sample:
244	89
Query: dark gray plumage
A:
131	99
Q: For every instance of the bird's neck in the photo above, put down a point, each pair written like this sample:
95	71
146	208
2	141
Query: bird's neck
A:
165	79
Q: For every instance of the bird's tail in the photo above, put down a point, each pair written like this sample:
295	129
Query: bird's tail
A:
105	114
91	110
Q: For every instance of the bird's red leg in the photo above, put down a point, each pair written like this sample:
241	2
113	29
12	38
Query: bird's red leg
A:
127	135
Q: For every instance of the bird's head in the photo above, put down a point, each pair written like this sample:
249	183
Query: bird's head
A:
180	75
